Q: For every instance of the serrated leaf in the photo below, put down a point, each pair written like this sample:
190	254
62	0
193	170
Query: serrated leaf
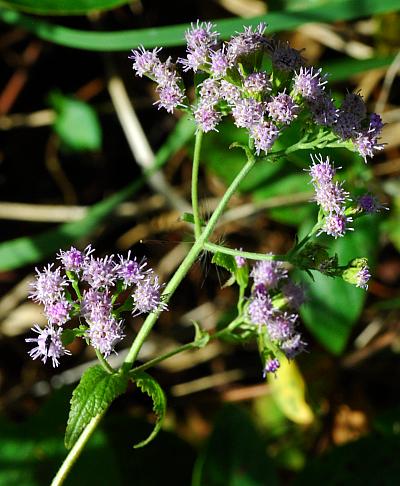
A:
288	391
76	123
224	261
150	386
94	394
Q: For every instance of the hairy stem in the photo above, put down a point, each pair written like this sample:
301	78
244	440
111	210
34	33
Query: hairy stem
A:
185	265
195	183
76	450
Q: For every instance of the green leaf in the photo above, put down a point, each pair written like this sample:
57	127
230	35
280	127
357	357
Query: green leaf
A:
235	454
242	276
68	335
62	7
30	249
76	123
334	306
224	261
94	394
149	386
174	35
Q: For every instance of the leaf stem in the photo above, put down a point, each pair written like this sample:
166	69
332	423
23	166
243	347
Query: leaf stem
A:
246	254
104	363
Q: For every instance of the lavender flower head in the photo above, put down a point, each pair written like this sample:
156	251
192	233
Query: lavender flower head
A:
58	312
336	225
48	344
200	38
247	112
48	286
147	296
281	326
73	259
321	171
104	334
260	308
264	135
246	43
362	277
282	108
257	83
144	61
268	273
130	271
309	83
100	272
240	261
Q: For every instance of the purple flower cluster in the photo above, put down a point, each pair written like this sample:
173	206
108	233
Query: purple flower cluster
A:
264	103
330	196
169	83
234	71
97	284
272	308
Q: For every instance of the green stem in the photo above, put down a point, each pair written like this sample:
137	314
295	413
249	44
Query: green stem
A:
152	318
185	347
153	362
185	265
195	183
76	450
246	254
104	363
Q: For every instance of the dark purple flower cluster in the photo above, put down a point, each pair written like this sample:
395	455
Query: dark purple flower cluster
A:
264	103
97	283
330	196
272	308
